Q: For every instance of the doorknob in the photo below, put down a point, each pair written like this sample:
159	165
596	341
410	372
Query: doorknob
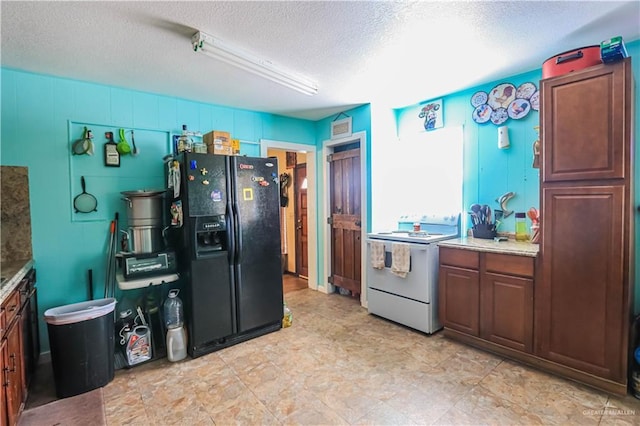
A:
358	223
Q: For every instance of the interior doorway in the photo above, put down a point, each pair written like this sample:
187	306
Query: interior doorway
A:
345	218
299	261
352	152
301	223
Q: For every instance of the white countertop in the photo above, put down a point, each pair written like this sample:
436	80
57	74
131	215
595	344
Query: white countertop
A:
502	247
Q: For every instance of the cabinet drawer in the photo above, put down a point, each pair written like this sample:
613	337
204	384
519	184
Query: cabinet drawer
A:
11	306
462	258
509	264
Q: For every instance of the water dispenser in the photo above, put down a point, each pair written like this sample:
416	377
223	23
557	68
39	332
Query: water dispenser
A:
210	235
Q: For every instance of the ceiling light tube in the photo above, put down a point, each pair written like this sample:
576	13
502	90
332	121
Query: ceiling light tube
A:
217	49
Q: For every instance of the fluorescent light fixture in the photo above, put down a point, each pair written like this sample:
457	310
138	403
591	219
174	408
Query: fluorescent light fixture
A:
218	49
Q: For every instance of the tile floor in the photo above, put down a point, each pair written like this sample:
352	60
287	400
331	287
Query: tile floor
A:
339	365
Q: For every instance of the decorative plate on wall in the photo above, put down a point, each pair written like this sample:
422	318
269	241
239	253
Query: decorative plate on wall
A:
525	90
482	113
479	98
518	108
501	95
499	116
535	101
504	101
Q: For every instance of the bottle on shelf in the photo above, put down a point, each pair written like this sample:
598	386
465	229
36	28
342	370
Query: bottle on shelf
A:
185	143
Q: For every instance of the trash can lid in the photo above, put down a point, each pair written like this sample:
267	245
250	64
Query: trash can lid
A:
77	312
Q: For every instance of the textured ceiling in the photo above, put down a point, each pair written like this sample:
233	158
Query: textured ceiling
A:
396	53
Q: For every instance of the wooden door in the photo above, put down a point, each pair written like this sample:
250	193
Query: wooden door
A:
345	220
581	303
302	250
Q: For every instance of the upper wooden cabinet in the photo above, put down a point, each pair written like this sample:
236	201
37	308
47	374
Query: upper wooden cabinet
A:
584	123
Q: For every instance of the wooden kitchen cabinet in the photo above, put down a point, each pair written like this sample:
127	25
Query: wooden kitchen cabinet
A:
459	290
488	296
583	301
12	369
3	357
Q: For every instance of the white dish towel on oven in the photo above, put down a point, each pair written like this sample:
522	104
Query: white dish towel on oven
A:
400	258
377	254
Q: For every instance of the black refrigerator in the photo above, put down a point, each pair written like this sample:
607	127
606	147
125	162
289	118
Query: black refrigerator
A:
225	229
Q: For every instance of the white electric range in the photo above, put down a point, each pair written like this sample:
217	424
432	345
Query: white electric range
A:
411	300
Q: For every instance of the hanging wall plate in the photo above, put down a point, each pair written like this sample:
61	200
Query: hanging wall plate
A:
501	95
518	109
535	101
482	113
499	116
479	98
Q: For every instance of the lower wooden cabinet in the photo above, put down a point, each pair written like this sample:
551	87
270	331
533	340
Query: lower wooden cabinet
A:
507	310
488	295
459	290
14	372
12	367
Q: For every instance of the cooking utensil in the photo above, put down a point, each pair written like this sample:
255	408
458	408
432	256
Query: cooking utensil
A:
123	146
534	215
83	145
90	284
476	209
498	214
111	154
486	213
133	142
85	202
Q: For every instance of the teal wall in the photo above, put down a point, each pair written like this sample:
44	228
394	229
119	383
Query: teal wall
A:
42	115
490	172
360	122
39	112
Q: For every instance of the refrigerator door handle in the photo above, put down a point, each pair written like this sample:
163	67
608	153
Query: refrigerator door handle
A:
238	235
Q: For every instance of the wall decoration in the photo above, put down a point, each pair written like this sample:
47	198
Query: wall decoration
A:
291	160
341	128
503	102
432	114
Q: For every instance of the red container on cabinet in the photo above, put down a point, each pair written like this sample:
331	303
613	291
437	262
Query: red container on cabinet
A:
571	60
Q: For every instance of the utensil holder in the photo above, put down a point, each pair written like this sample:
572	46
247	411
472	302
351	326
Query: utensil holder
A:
484	230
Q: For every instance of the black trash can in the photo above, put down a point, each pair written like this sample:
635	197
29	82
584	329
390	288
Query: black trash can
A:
81	337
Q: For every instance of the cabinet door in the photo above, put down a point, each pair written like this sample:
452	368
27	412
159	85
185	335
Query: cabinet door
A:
3	384
507	311
459	299
583	118
581	315
14	371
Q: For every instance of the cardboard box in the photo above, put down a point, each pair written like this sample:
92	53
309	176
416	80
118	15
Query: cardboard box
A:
219	149
217	137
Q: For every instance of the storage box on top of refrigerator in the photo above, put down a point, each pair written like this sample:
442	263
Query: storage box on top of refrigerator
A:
228	246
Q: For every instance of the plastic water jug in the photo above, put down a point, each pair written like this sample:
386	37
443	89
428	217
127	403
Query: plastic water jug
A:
176	338
176	344
173	310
